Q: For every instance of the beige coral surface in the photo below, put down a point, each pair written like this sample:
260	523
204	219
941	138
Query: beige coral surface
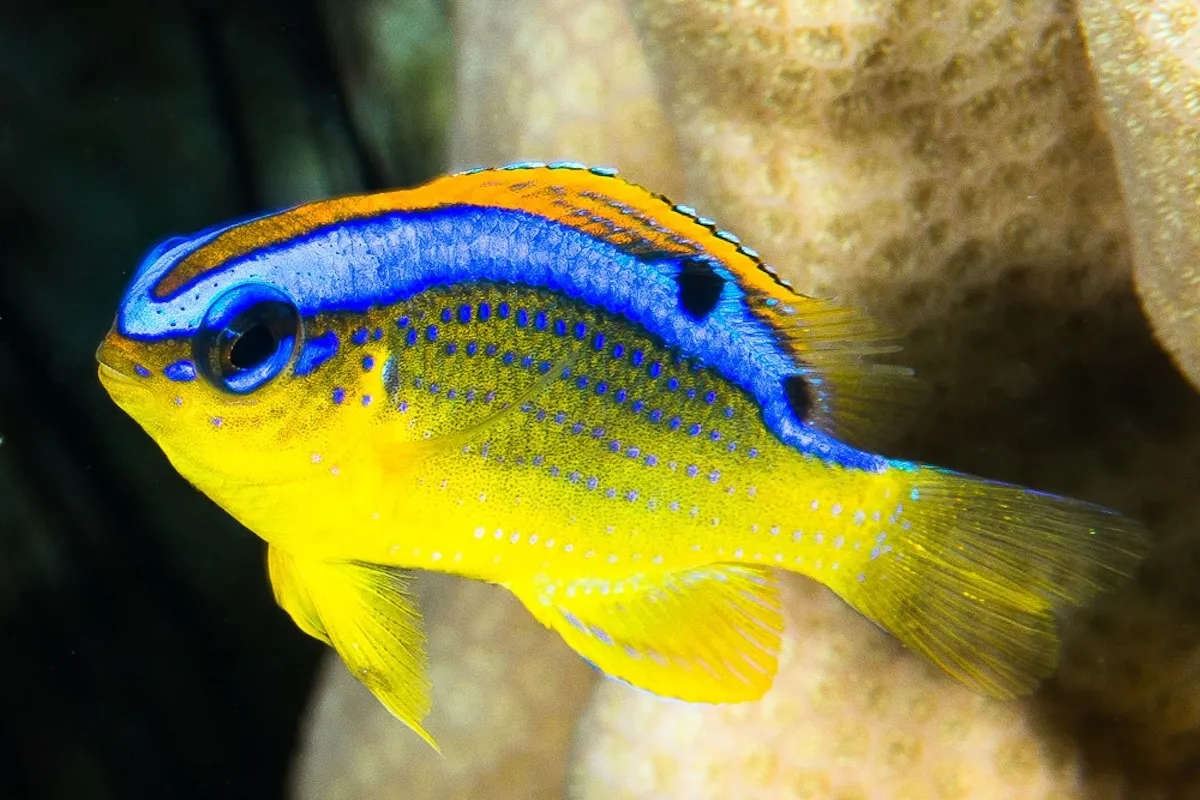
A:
944	164
1147	58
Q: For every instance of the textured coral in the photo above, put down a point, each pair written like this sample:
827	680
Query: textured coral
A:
505	692
549	79
1147	59
942	163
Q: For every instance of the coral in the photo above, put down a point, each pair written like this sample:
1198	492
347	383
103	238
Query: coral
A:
942	163
1147	61
549	79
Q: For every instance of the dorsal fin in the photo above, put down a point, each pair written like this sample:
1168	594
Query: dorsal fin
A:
838	387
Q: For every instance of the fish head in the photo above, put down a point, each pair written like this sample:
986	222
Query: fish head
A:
211	373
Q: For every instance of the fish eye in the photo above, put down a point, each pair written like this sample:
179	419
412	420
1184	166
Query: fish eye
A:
248	336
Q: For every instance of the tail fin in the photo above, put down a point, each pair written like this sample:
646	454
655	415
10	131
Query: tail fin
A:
974	571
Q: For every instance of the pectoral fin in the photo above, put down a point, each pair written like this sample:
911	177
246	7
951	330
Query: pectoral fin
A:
708	635
370	616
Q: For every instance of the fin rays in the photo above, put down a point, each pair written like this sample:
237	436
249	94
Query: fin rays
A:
705	635
850	396
976	580
369	614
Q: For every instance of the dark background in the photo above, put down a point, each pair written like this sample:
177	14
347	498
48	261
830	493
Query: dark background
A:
141	652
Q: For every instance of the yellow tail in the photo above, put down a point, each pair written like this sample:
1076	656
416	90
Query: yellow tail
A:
971	573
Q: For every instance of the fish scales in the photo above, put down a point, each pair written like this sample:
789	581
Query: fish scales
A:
631	454
548	378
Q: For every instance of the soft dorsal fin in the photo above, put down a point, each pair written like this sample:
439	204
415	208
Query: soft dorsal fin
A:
838	387
708	635
369	614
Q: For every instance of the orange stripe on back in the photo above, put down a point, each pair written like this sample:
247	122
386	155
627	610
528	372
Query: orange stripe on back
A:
608	208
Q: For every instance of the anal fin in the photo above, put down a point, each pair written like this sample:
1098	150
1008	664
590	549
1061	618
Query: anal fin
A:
708	635
369	614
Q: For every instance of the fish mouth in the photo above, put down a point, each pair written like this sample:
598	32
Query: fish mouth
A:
115	364
109	374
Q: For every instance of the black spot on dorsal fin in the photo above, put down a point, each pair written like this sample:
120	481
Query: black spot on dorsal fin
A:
799	396
699	287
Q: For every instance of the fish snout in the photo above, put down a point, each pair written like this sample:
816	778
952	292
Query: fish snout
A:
117	360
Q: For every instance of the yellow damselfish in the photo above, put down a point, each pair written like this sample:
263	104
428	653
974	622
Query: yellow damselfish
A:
550	379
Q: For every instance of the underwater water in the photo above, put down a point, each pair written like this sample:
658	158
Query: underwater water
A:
951	170
144	655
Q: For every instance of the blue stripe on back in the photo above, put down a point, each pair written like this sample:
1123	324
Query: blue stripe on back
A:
392	257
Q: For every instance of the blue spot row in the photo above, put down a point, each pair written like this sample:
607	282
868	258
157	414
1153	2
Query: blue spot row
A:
181	371
316	351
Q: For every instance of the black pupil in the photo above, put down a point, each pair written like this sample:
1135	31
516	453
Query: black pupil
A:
253	347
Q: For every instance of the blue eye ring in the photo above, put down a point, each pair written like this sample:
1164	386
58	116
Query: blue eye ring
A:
247	337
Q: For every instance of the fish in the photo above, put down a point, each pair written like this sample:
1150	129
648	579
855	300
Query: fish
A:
550	379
